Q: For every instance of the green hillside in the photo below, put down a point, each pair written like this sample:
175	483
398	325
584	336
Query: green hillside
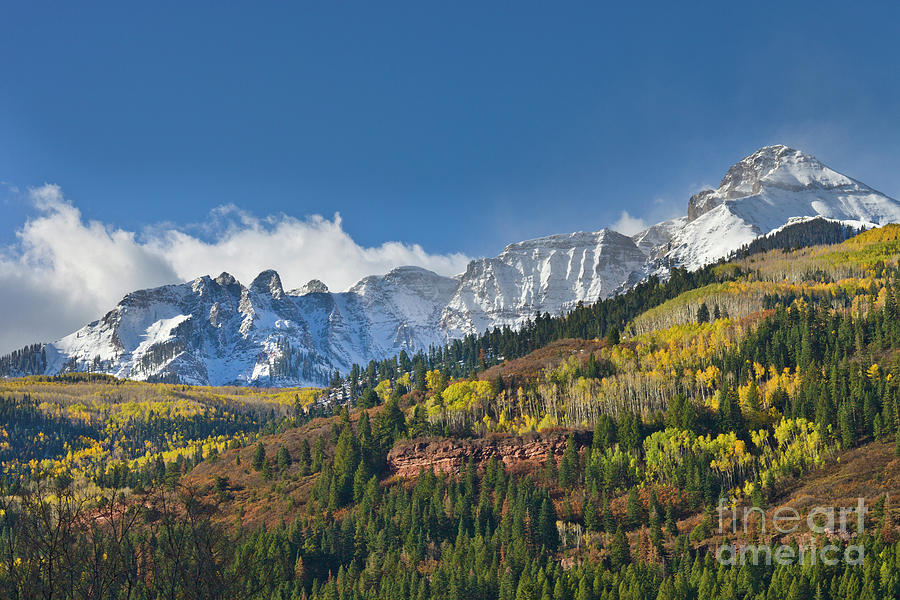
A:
587	456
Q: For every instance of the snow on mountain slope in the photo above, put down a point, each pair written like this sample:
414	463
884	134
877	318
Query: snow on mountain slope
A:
760	194
548	274
658	235
404	307
217	331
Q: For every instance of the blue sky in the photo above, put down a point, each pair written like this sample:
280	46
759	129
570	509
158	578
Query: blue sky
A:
460	127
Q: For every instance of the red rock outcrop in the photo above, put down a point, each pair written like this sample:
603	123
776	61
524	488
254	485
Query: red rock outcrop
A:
448	455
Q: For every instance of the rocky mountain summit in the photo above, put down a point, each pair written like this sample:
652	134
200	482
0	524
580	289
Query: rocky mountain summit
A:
218	331
772	187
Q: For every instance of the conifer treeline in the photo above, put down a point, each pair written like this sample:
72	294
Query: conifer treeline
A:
480	535
460	358
813	232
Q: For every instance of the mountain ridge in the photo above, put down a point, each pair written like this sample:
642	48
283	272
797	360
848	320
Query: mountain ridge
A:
218	331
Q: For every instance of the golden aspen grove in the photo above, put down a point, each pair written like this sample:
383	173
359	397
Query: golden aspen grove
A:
744	384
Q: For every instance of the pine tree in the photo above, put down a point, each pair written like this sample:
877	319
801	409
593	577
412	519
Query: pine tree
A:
389	425
730	416
420	376
666	590
368	399
508	585
305	457
568	466
608	521
703	314
655	529
619	551
630	432
604	433
592	369
259	457
633	509
283	458
845	422
559	590
612	336
592	521
546	592
584	589
364	436
549	533
525	589
799	589
671	525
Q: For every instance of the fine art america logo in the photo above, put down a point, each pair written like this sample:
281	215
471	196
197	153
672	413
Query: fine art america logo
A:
830	525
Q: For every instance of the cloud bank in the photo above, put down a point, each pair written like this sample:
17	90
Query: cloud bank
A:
64	272
628	225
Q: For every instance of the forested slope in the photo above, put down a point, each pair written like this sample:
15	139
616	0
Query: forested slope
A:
770	381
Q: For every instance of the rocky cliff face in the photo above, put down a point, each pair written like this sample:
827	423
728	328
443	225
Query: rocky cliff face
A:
217	331
549	274
406	459
701	203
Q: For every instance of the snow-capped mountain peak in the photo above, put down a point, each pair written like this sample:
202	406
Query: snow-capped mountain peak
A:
784	168
225	279
313	286
268	282
216	331
758	195
547	274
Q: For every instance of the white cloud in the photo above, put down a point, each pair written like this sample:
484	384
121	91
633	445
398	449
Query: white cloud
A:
64	272
299	250
629	225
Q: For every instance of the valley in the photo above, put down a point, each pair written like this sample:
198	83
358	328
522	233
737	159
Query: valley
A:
579	456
